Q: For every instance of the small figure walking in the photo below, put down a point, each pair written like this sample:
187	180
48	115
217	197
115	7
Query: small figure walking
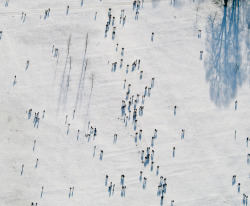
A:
14	81
66	119
69	192
201	53
22	170
199	34
152	36
42	192
106	180
233	179
24	18
34	145
67	12
182	133
68	129
101	154
36	163
157	171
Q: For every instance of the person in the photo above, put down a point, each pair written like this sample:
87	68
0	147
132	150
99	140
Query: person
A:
67	10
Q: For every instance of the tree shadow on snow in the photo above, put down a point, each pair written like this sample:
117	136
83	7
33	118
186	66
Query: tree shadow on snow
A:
225	70
155	3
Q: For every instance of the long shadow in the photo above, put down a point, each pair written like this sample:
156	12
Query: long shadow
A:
67	86
225	70
62	83
81	83
56	68
87	112
27	66
82	86
82	76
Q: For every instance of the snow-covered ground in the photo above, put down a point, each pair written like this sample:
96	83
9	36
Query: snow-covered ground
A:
204	89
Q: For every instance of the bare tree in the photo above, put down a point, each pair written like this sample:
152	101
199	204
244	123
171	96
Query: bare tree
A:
92	80
70	62
86	43
69	42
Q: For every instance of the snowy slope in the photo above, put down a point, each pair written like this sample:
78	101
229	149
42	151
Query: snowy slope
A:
204	91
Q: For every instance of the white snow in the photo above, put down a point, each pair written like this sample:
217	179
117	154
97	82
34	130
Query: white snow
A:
204	92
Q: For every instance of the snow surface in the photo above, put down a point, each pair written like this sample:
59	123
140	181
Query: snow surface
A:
204	91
